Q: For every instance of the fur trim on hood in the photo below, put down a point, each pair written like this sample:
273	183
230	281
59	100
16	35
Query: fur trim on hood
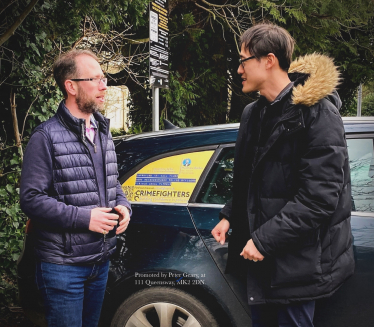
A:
322	81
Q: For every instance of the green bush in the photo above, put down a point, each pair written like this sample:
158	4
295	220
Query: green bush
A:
117	132
367	108
12	224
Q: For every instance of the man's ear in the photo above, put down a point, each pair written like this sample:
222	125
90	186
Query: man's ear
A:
70	87
271	61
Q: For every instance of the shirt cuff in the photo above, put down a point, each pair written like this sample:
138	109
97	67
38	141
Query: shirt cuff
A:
83	218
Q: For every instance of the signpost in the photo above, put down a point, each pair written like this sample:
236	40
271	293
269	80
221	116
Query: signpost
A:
158	53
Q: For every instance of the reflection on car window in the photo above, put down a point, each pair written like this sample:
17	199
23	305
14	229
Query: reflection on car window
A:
217	188
361	160
167	180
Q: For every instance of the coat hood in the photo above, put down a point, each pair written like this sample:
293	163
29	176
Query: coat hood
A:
323	78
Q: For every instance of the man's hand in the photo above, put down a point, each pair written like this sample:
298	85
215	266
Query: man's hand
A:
124	218
102	221
250	252
219	232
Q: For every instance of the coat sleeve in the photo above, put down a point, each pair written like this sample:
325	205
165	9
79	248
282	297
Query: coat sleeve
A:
320	180
37	187
121	198
226	211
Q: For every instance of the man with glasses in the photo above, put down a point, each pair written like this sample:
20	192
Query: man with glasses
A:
70	192
290	210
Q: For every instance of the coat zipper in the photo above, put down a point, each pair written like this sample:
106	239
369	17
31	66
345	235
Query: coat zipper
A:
262	114
272	131
103	154
85	144
98	189
104	164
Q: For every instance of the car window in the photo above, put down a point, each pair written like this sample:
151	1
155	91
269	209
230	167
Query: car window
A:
217	188
168	180
361	160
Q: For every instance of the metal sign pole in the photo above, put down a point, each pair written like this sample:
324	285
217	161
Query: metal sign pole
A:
158	54
359	100
155	109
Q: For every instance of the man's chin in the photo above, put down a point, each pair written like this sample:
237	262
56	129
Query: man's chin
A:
248	90
90	107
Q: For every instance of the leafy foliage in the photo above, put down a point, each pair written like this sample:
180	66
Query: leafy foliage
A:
205	87
11	224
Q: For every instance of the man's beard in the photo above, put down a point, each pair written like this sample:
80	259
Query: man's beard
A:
86	106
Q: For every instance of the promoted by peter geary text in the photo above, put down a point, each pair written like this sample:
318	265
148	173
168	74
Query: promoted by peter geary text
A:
161	278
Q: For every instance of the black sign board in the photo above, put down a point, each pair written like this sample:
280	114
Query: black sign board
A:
158	44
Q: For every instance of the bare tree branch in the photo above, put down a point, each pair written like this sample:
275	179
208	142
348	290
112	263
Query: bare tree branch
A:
27	113
9	172
15	121
5	6
17	22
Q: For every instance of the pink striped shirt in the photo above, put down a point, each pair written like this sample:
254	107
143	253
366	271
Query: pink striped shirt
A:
90	131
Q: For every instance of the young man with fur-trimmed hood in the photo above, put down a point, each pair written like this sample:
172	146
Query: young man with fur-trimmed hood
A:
290	211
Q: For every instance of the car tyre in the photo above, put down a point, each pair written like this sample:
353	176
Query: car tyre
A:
163	307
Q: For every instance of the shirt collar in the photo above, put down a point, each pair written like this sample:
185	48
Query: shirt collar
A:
93	122
283	93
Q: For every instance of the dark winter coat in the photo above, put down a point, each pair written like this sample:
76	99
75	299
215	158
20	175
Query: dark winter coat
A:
291	191
59	187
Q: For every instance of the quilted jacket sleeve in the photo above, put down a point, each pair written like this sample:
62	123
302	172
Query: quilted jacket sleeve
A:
36	187
121	199
320	180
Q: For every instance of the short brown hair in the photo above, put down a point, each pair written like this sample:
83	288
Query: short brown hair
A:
265	38
65	66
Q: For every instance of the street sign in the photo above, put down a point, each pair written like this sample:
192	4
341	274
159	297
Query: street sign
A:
158	44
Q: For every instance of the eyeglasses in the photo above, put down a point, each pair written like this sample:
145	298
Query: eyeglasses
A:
242	60
96	80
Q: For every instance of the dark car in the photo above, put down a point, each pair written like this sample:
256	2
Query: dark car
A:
169	271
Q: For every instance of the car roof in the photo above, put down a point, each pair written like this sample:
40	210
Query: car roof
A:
133	149
358	122
166	132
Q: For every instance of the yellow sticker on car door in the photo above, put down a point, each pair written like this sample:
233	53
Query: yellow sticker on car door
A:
167	180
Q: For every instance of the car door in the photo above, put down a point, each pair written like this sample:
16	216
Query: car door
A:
161	226
162	237
353	303
211	194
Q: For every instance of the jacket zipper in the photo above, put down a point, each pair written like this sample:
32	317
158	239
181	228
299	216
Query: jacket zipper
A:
262	114
105	184
89	153
272	131
98	189
105	172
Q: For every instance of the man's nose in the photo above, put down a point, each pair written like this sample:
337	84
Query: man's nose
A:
240	69
102	85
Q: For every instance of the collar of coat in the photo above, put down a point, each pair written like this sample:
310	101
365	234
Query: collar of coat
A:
315	77
77	125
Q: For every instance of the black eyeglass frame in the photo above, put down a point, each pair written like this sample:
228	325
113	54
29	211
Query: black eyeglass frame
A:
242	60
101	79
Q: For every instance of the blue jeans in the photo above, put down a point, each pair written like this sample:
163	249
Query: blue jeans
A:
283	315
73	295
